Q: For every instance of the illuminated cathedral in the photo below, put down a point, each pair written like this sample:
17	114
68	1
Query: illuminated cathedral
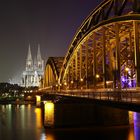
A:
34	70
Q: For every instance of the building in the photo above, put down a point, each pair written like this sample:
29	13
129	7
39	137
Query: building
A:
34	70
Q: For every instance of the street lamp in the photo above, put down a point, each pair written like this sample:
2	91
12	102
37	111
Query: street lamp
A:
97	76
81	80
65	83
127	70
107	83
71	82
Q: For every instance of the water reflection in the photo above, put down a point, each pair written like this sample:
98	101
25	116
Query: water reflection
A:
43	136
24	122
46	136
21	122
137	126
38	117
134	131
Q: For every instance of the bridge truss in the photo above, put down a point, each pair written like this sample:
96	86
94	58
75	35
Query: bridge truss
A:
105	51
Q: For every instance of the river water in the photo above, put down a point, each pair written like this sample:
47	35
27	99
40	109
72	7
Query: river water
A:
24	122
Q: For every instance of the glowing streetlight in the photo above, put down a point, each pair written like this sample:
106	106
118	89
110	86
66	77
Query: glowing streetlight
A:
81	80
65	83
126	69
107	82
71	82
97	76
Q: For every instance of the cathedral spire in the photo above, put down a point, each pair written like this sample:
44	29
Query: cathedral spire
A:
29	56
34	71
29	61
38	53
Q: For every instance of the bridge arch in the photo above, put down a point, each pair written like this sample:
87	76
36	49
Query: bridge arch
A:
52	70
105	51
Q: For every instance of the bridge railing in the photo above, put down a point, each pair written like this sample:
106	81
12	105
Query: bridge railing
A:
124	95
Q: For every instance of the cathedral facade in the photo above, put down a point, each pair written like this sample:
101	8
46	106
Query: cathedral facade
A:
34	70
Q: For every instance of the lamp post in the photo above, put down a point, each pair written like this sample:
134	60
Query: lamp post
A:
71	82
97	76
65	85
81	81
107	83
127	70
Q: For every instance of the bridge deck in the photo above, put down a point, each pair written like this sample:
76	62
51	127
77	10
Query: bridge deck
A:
127	99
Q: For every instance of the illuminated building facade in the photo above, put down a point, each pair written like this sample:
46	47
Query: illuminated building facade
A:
34	70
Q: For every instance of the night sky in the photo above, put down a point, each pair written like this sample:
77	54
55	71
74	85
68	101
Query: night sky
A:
50	23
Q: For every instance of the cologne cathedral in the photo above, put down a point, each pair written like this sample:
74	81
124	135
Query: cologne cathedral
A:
34	70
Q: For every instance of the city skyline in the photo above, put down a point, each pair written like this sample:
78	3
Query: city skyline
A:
48	23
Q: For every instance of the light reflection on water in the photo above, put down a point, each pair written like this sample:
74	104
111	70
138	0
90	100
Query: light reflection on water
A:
137	126
23	122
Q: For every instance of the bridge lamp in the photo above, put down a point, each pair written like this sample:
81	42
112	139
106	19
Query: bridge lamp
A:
81	80
126	69
97	76
71	82
65	83
107	82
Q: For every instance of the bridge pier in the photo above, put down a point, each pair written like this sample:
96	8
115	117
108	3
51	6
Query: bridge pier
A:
72	114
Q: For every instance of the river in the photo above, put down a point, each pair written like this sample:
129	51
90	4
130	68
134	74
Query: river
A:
24	122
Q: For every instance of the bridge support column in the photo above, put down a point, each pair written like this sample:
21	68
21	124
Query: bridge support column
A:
137	53
117	65
47	79
81	62
104	58
72	78
94	60
82	114
76	70
86	66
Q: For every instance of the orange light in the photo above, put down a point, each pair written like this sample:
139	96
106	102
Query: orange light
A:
38	98
81	79
127	69
49	113
97	75
71	82
65	83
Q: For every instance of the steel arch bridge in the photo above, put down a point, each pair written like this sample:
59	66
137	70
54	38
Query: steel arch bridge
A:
52	70
105	51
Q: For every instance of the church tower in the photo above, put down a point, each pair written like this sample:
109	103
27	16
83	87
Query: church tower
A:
34	70
38	66
29	60
39	60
